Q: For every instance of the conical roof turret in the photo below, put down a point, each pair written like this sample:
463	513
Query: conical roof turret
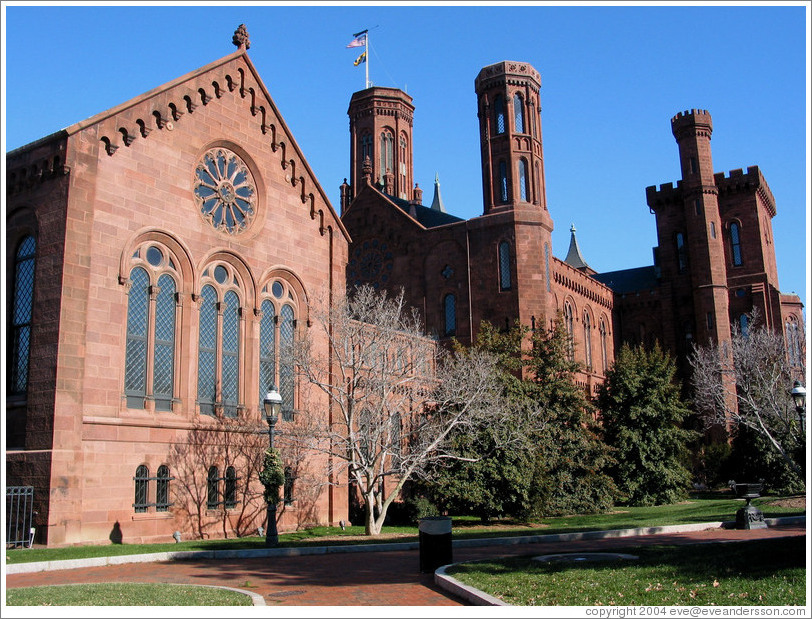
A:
574	257
437	202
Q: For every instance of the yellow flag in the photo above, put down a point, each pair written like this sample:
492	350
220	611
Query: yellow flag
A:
360	59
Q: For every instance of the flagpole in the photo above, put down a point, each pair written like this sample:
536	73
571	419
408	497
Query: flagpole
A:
366	57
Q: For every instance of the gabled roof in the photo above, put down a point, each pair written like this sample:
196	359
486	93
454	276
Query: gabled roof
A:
282	131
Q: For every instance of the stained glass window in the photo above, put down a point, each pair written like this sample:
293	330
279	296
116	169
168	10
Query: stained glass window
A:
224	191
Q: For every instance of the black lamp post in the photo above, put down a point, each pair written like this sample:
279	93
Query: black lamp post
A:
272	405
799	397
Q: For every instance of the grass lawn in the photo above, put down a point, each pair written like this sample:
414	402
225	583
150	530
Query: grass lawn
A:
762	572
698	509
125	594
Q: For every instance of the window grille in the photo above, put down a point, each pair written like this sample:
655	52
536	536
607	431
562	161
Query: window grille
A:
231	354
164	358
518	113
207	352
135	373
503	182
504	266
141	489
162	503
142	480
523	179
682	256
450	305
735	244
604	363
499	111
23	309
267	349
568	323
288	487
588	341
230	493
213	488
286	375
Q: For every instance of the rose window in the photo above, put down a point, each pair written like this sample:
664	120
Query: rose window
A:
224	191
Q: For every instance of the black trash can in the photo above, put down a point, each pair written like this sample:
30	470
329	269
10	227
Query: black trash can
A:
435	542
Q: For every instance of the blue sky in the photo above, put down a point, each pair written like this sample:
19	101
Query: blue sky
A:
612	77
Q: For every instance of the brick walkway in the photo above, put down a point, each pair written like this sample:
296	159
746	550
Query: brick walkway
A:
356	579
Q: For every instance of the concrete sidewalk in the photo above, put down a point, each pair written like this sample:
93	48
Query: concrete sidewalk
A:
376	575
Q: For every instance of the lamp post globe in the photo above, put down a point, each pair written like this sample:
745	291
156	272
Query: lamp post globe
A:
272	403
799	398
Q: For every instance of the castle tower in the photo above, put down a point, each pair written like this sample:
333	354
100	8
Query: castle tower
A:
381	129
513	237
510	136
700	251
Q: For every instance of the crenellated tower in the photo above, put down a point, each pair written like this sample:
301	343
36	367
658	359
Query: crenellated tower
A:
381	130
691	249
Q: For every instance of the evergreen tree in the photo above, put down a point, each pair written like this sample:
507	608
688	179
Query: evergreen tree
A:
545	457
642	415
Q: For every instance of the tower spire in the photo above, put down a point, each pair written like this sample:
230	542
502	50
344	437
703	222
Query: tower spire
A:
574	256
437	202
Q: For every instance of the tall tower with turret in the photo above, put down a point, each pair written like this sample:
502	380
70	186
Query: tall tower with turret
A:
690	232
509	110
513	237
381	131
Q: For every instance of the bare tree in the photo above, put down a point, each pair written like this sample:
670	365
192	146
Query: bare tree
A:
213	471
393	396
746	382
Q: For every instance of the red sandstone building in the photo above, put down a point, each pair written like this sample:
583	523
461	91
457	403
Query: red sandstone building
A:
146	301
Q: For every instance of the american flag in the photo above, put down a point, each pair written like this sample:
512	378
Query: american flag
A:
358	41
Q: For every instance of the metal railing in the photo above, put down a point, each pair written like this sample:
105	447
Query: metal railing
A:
19	516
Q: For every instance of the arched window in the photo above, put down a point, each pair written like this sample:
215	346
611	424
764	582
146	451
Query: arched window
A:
604	357
267	349
569	326
366	147
21	314
682	255
219	343
503	181
287	492
504	266
735	244
387	145
450	307
523	179
794	348
547	265
162	489
499	113
213	488
276	340
588	341
141	502
149	372
135	373
518	113
744	325
536	184
403	160
286	379
230	494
